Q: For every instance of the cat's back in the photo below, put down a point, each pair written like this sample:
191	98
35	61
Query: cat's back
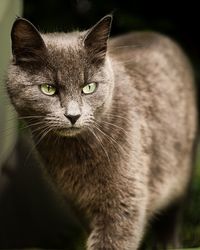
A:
161	90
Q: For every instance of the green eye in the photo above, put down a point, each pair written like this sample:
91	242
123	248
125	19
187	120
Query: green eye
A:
48	89
89	88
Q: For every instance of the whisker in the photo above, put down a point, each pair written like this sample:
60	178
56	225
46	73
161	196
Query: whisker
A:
110	138
32	125
39	128
113	125
44	133
125	62
31	116
113	48
117	116
101	144
52	118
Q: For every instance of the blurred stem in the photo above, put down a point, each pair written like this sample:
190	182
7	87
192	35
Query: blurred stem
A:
8	124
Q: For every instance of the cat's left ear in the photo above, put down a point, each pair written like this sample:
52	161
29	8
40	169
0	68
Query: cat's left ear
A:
95	40
27	44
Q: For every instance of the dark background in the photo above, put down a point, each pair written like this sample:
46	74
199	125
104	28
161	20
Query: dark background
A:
178	19
32	214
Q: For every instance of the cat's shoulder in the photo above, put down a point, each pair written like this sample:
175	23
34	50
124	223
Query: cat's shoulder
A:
147	48
142	39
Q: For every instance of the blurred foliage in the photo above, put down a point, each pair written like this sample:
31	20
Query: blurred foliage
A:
191	226
8	10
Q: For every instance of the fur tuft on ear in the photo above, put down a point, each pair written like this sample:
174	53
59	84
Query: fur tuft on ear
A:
95	40
27	43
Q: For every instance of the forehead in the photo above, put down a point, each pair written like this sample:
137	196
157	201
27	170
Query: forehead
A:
67	57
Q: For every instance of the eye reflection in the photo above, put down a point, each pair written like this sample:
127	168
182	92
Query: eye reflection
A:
48	89
89	88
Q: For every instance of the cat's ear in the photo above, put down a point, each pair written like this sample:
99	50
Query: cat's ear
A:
95	40
27	43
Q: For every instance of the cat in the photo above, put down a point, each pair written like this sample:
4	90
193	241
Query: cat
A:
114	122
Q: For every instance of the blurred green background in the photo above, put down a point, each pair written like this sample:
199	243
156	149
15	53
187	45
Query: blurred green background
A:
31	213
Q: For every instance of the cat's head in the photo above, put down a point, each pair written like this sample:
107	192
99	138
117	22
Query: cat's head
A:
63	82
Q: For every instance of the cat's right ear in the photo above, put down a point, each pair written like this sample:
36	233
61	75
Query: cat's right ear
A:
27	43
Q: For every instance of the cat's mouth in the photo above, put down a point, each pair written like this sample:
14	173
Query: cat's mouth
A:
71	131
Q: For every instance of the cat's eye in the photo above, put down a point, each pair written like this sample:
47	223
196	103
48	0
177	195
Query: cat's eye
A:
48	89
89	88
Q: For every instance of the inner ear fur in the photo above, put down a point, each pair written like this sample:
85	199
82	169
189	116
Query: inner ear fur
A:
95	40
27	43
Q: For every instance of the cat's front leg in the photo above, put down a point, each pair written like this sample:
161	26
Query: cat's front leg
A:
118	229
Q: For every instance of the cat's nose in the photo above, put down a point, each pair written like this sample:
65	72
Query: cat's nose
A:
72	118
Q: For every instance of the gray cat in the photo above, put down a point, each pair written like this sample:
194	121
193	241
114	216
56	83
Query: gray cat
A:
113	122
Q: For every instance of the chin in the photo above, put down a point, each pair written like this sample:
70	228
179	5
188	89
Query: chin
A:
68	132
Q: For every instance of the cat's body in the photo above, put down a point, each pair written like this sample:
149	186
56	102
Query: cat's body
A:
136	158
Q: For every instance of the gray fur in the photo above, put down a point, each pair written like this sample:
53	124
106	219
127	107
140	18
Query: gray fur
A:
130	155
